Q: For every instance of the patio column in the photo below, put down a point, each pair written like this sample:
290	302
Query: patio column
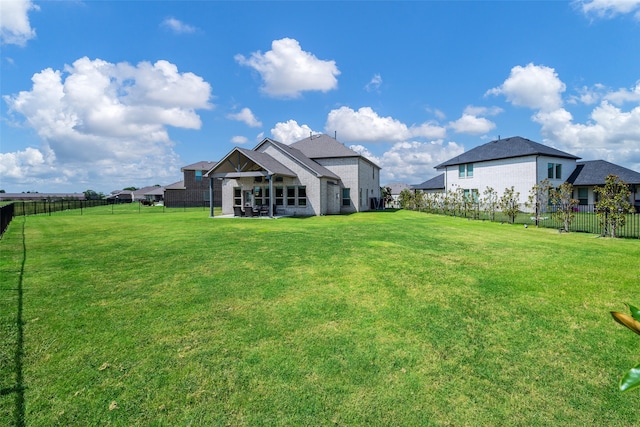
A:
270	196
210	197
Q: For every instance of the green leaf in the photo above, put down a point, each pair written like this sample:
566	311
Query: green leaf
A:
631	379
635	313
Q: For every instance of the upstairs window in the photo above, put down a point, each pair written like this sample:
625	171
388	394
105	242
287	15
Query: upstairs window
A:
465	171
198	176
554	170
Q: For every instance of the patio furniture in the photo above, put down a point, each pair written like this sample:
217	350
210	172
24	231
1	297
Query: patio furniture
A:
264	210
248	211
237	211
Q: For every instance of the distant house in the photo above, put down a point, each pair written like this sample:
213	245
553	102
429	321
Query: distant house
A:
433	185
315	176
523	163
397	188
193	190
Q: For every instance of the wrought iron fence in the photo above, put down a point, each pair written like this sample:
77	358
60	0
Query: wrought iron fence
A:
585	218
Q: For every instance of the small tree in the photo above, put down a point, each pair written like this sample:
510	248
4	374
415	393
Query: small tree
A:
490	202
387	198
613	204
539	198
562	198
509	203
406	199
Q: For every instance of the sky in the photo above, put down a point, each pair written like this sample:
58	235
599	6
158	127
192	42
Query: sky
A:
104	95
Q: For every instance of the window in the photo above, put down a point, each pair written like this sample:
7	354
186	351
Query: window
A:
554	170
291	196
198	176
346	197
302	195
583	196
465	171
472	195
279	196
237	196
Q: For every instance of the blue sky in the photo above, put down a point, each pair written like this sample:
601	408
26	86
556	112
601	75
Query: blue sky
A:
108	94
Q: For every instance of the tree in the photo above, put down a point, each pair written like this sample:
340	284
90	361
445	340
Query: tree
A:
613	204
562	198
130	189
509	204
2	191
490	202
406	199
92	195
538	198
387	198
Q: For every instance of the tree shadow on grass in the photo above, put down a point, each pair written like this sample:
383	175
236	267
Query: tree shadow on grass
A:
18	388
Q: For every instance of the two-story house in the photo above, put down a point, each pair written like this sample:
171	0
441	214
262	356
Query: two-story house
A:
193	190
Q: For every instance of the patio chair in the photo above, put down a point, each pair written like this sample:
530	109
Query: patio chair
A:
248	211
237	211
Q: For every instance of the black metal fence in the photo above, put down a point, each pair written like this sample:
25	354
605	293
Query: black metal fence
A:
89	207
585	219
6	215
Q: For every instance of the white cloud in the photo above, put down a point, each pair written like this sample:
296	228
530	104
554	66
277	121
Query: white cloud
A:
177	26
621	96
108	122
365	125
534	86
287	70
374	84
471	123
290	132
15	27
239	140
608	8
246	116
610	133
413	162
364	151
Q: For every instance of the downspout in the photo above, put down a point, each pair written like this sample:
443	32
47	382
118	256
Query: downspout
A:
210	197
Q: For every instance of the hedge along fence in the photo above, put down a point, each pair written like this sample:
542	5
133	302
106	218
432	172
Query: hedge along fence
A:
586	219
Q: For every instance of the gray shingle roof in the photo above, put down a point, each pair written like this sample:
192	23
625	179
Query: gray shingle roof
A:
397	187
199	166
323	147
318	169
594	172
503	149
435	183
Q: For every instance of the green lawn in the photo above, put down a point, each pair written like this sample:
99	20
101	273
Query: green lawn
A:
385	318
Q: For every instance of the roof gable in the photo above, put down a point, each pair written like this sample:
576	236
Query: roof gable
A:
595	172
504	149
300	157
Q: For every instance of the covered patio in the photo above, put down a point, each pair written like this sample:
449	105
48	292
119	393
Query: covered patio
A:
253	174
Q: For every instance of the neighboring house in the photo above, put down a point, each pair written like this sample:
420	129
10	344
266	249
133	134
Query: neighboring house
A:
315	176
523	163
396	189
589	174
433	185
193	190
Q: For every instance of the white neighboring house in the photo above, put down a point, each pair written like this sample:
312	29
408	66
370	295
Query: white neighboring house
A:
522	163
315	176
396	189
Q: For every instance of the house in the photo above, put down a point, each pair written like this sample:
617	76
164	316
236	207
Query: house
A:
315	176
592	173
522	163
433	185
193	190
41	196
397	188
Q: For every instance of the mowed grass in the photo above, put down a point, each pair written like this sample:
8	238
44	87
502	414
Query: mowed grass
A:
385	318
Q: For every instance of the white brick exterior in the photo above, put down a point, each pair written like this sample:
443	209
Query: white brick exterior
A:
520	172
